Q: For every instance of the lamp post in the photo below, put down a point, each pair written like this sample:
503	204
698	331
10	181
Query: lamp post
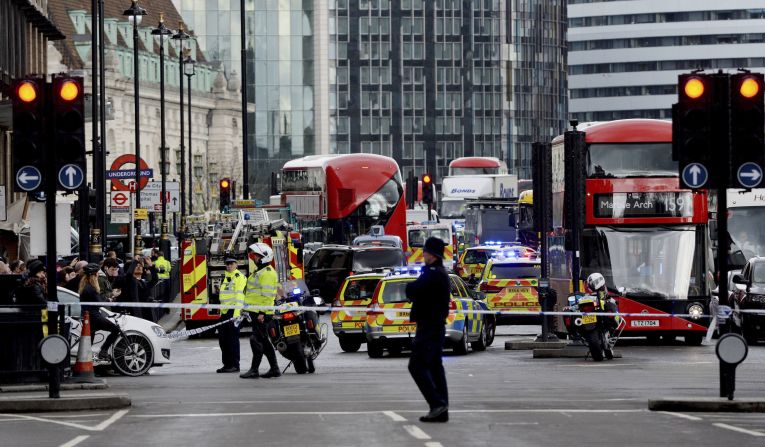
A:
189	69
245	152
163	32
135	13
180	36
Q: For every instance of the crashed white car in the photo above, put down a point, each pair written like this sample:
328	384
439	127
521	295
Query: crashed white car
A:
141	345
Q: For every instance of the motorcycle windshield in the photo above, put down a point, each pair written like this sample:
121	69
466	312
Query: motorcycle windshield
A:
655	262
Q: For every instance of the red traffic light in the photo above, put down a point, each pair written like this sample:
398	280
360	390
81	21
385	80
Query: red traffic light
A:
694	88
426	178
26	91
749	87
224	183
68	90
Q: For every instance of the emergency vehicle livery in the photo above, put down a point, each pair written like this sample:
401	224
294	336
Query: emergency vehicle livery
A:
647	236
348	325
510	282
388	327
473	260
418	234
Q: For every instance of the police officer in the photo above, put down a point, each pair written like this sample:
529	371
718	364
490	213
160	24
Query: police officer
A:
163	265
262	286
430	295
231	293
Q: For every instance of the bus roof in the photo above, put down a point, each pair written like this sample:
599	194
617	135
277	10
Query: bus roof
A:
338	161
627	131
476	162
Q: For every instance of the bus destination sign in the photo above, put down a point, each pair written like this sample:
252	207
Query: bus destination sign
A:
644	204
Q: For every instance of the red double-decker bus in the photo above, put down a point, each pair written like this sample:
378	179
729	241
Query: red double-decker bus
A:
338	197
477	166
647	236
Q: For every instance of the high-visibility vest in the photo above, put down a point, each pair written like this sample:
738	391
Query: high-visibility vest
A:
232	291
161	262
261	289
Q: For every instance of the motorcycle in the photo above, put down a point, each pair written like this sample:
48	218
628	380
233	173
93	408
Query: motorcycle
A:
599	333
297	334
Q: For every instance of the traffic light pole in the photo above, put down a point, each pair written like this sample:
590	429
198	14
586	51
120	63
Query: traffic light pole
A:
50	215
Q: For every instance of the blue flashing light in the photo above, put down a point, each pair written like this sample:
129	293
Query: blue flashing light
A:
296	291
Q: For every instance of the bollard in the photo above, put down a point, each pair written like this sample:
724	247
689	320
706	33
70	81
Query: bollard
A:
731	349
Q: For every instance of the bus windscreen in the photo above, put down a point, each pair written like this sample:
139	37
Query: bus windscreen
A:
621	160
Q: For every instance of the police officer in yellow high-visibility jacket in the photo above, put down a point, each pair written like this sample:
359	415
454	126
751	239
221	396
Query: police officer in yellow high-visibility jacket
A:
162	264
231	293
261	290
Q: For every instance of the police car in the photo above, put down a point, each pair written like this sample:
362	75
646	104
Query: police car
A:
348	326
510	282
473	260
388	326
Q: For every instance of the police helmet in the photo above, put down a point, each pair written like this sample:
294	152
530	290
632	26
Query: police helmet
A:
596	281
264	251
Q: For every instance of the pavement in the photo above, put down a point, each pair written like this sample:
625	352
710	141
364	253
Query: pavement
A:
496	397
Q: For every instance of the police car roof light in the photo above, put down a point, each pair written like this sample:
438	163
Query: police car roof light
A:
296	291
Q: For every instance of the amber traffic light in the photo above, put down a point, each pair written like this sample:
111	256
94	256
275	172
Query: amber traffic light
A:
427	188
224	193
747	133
28	143
694	88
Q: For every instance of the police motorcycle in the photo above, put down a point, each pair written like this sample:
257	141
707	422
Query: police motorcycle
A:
297	334
599	333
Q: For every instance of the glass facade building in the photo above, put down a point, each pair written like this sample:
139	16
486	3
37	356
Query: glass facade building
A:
419	81
625	56
538	79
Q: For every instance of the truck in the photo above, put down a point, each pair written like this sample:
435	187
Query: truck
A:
456	190
491	220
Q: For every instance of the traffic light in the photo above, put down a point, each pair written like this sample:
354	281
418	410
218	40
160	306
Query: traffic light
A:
224	194
747	120
28	144
427	189
68	131
693	133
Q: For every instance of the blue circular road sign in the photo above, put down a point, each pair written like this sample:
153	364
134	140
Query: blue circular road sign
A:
749	175
28	178
695	175
70	176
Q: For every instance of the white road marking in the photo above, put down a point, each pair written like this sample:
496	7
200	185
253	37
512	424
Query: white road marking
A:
682	415
395	416
115	417
416	432
75	441
100	427
433	444
74	416
738	429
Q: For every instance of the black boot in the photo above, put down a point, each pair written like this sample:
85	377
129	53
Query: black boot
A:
251	374
272	373
438	414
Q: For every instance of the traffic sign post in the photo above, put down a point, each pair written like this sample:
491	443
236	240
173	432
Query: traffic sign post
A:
70	176
695	175
749	175
28	178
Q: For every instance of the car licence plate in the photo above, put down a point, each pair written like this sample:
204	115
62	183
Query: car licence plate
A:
520	290
589	319
291	330
644	323
402	314
408	328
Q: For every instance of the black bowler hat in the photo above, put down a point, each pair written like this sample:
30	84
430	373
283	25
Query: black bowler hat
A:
434	246
34	266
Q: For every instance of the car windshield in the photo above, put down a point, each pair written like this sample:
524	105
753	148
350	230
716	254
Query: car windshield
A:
515	271
366	260
394	292
361	289
660	262
474	171
329	259
452	209
758	274
746	229
477	256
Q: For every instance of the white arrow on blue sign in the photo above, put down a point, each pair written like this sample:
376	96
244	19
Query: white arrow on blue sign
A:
28	178
71	176
749	175
695	175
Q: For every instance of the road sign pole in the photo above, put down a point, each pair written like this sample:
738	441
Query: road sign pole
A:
50	221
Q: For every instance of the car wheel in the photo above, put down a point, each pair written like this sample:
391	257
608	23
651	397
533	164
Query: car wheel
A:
491	330
694	339
375	349
480	344
132	355
348	344
461	348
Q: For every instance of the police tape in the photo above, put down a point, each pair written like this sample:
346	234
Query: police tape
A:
356	309
189	333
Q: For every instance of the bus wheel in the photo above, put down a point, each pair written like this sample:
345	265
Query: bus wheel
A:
694	339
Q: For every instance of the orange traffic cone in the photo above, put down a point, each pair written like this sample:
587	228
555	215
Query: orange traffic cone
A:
83	368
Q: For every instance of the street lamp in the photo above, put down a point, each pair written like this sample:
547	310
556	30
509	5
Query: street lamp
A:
190	70
163	32
180	36
135	14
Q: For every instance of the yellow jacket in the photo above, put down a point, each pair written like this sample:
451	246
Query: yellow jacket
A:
232	291
261	289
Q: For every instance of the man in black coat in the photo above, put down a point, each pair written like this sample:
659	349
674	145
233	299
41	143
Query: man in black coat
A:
430	296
